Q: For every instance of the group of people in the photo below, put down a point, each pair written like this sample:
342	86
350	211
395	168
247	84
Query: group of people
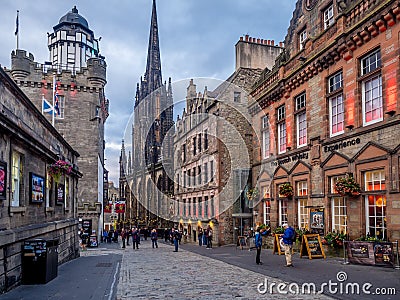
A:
205	237
288	238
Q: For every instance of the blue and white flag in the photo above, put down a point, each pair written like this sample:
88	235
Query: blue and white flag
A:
46	107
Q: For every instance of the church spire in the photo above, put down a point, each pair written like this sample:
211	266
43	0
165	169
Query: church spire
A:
152	77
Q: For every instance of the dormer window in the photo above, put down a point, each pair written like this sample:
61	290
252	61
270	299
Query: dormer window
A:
328	16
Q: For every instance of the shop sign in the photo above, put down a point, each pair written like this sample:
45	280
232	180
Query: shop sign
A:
293	158
341	145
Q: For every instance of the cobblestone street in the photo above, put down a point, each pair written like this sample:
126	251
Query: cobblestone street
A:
163	274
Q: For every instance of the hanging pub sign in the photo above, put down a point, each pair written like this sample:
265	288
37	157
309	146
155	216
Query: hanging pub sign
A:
3	180
36	187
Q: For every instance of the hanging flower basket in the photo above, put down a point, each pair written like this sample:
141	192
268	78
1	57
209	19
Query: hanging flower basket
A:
252	193
59	168
286	190
347	186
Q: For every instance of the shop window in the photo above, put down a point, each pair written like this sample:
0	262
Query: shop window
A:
283	211
302	39
17	175
303	214
375	180
328	16
301	120
339	214
281	118
372	101
265	137
376	216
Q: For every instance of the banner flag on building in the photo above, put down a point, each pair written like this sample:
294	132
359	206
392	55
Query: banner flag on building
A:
120	207
17	23
108	207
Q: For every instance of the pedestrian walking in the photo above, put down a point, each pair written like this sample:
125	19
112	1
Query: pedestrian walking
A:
109	237
166	235
175	238
205	237
135	238
116	236
105	236
209	237
200	236
128	234
287	239
258	243
123	237
154	237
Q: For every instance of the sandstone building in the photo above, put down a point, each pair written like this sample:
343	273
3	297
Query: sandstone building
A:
330	109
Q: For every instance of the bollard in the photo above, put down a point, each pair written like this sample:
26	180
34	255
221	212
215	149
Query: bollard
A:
397	267
345	262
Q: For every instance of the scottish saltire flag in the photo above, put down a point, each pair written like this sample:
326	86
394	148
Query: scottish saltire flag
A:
46	107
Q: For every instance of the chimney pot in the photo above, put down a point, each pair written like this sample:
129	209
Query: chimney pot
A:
272	42
258	41
241	38
247	37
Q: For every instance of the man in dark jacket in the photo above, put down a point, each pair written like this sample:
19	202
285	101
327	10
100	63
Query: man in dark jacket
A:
135	238
287	239
258	242
154	237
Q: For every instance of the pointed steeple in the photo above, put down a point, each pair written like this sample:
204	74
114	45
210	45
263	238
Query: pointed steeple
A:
152	77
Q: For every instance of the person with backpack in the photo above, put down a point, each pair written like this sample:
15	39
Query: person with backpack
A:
288	236
258	242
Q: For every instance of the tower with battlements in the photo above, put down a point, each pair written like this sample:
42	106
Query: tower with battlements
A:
78	72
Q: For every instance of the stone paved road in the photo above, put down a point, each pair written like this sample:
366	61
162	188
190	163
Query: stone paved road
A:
163	274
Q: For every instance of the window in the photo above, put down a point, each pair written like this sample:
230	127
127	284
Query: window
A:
199	175
17	178
333	181
200	206
184	179
199	141
188	178
281	129
283	211
194	176
265	137
194	207
302	188
184	207
206	206
301	120
205	139
335	82
205	173
372	103
376	216
302	38
339	214
184	152
328	17
212	171
189	207
194	145
303	214
336	115
375	180
267	219
266	191
212	213
236	97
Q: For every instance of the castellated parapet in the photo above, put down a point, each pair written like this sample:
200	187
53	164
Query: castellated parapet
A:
21	64
97	71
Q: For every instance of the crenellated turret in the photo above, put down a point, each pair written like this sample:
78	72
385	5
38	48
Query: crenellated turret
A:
97	71
21	64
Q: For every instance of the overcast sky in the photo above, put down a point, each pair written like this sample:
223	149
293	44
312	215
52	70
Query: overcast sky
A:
197	39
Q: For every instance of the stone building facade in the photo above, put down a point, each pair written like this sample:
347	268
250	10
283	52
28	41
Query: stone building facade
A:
77	73
330	110
32	204
213	149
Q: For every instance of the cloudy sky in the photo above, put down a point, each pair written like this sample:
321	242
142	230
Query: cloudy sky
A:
197	39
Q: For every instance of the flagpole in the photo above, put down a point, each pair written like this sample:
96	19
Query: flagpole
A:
17	29
54	93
